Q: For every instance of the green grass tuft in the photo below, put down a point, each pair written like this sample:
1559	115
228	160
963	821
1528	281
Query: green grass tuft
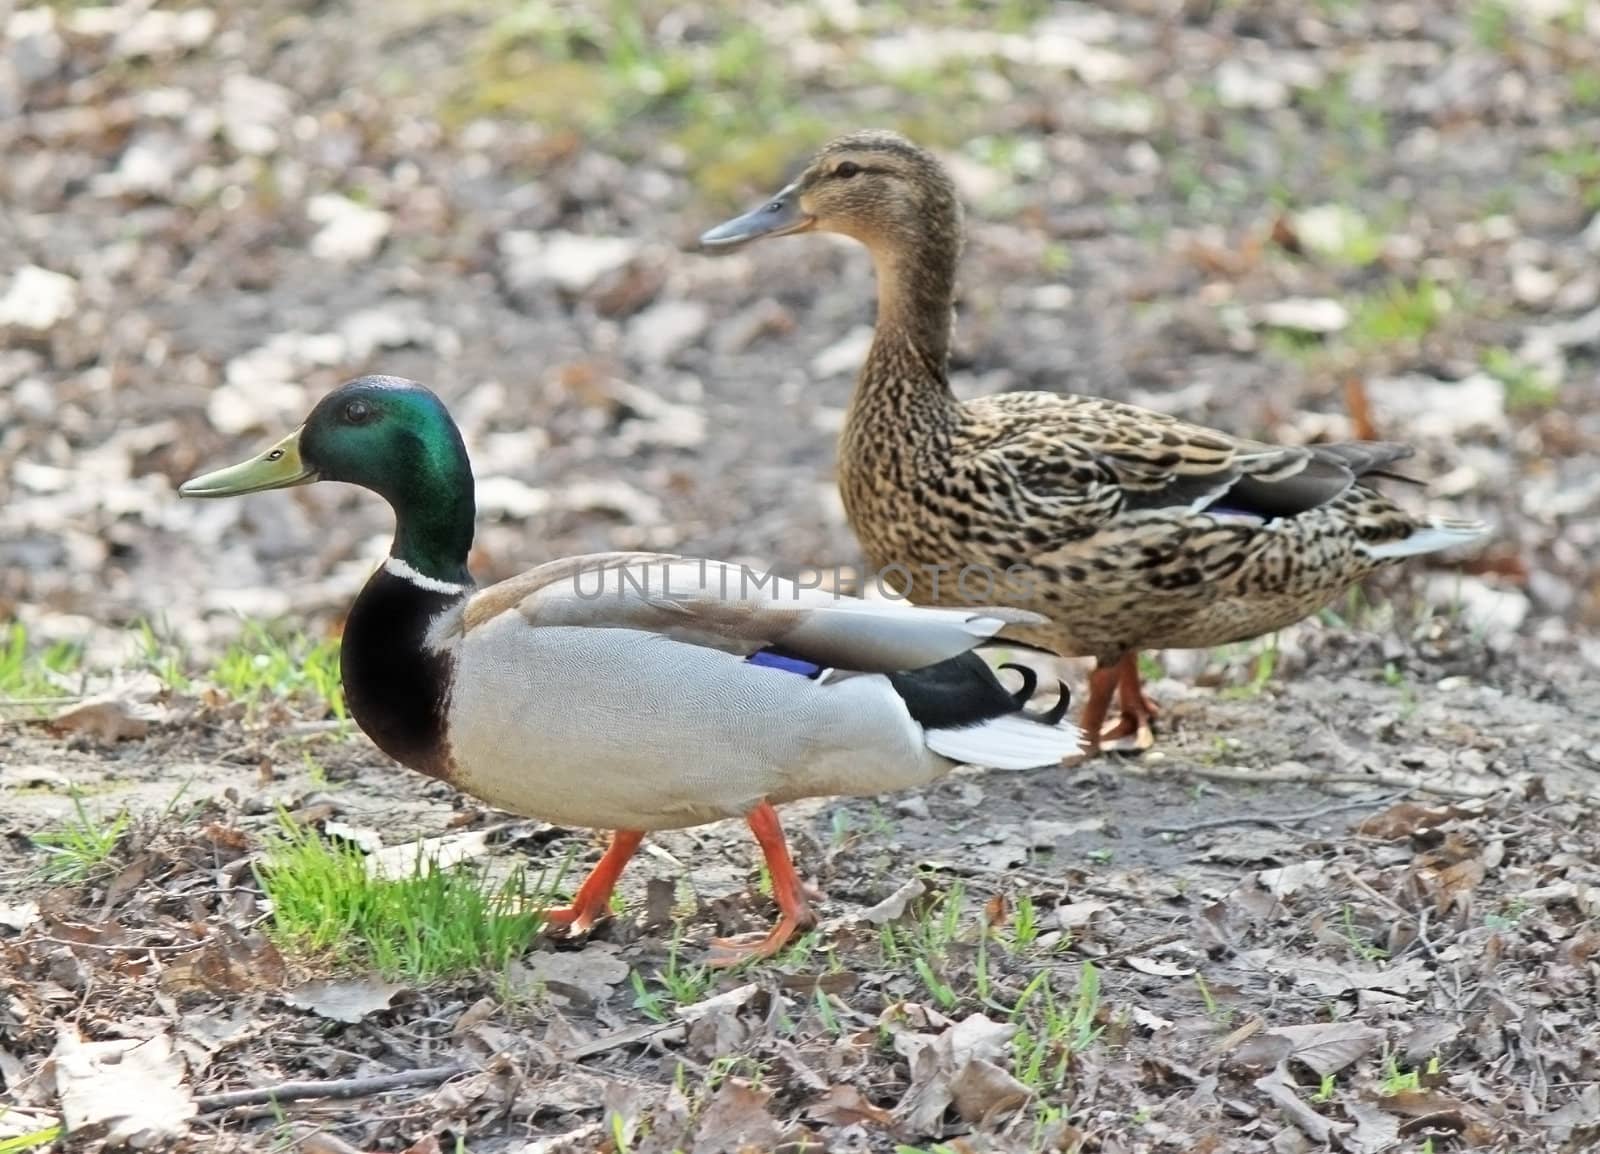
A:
432	924
163	655
1051	1029
268	665
1527	389
1399	314
1396	1080
677	985
29	672
1577	166
1490	21
82	845
33	1141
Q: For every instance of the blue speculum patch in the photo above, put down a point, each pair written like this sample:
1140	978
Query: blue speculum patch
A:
771	660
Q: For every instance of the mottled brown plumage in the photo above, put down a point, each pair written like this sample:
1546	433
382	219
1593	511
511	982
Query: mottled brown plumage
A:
1129	528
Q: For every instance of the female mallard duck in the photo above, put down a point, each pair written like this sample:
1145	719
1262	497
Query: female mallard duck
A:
1130	529
633	691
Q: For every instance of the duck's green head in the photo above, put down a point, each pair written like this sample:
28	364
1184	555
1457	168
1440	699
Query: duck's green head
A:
874	186
386	434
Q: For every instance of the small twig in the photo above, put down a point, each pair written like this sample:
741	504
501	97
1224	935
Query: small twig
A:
1129	951
335	1088
313	728
1401	781
143	947
35	702
1381	899
1281	821
130	947
619	1038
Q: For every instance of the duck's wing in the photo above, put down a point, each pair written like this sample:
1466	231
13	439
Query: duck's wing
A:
1087	461
737	609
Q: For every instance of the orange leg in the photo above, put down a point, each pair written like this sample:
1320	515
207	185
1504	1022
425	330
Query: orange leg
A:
589	903
1137	710
787	889
1102	687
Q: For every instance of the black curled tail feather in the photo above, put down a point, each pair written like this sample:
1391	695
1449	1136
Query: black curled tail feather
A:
1059	709
964	691
1030	682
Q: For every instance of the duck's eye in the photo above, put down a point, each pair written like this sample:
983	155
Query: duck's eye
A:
846	170
356	412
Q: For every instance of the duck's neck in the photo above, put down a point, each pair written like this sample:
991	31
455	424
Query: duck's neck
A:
397	676
434	525
904	382
916	299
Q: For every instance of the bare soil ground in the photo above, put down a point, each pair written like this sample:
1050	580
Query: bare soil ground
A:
1348	902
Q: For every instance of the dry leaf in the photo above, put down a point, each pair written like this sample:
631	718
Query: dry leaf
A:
893	907
474	1015
1158	969
427	1144
1332	980
202	1034
1237	1036
660	895
343	999
1148	1020
131	877
368	841
725	1030
1280	883
622	1114
19	916
583	1140
1359	406
836	982
1262	1052
1375	1130
1286	1097
403	861
1424	1107
1409	818
736	1120
105	719
982	1091
585	975
844	1105
937	1060
131	1091
321	1142
1045	834
1329	1048
996	910
572	1091
734	999
1453	883
1079	914
1583	1110
229	964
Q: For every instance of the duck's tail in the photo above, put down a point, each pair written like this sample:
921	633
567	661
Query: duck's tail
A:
968	716
1015	741
1432	537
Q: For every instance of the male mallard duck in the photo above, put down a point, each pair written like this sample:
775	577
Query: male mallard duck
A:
633	691
1130	529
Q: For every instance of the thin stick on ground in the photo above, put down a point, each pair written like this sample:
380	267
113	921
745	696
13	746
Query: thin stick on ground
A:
334	1088
1306	776
1280	820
